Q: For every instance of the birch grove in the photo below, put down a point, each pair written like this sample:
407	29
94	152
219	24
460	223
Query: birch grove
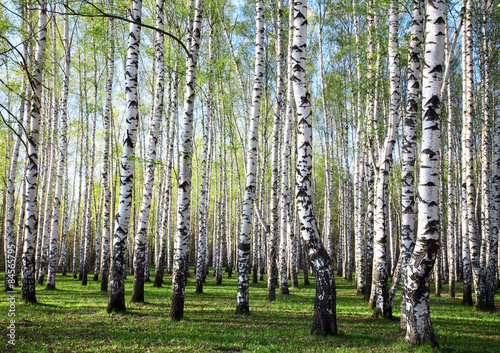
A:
334	143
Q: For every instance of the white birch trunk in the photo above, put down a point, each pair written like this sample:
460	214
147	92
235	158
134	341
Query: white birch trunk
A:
106	225
419	327
324	321
140	259
468	163
10	245
407	241
201	269
28	293
116	300
275	177
242	298
181	241
63	152
380	287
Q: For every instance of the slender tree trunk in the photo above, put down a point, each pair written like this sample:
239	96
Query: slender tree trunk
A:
419	326
324	321
10	245
380	286
181	242
54	235
201	269
407	242
116	300
106	226
275	176
28	293
242	298
140	260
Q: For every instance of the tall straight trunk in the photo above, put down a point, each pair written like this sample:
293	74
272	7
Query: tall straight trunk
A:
466	259
106	224
28	293
359	216
489	210
140	260
116	300
90	191
324	321
492	270
452	263
328	175
369	113
97	240
286	233
468	164
78	202
20	233
242	298
65	227
275	175
166	217
201	269
63	153
229	224
10	245
407	241
380	286
51	166
181	241
418	316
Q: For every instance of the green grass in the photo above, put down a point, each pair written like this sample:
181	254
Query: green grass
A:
73	318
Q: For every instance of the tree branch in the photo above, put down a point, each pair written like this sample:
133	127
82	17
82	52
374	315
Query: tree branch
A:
103	14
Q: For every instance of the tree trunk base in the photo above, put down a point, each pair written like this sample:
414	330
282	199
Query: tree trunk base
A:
96	278
367	292
50	286
138	291
104	282
116	303
242	309
158	281
84	279
199	286
40	279
414	339
177	308
255	279
284	290
271	294
467	300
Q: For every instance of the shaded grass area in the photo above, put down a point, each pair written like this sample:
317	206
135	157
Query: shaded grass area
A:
73	318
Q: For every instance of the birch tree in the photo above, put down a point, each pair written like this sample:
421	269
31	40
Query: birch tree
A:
407	242
28	293
275	174
116	301
181	241
324	321
140	260
380	290
106	224
242	298
419	326
63	152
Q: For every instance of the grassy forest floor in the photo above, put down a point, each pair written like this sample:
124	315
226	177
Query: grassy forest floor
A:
73	318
